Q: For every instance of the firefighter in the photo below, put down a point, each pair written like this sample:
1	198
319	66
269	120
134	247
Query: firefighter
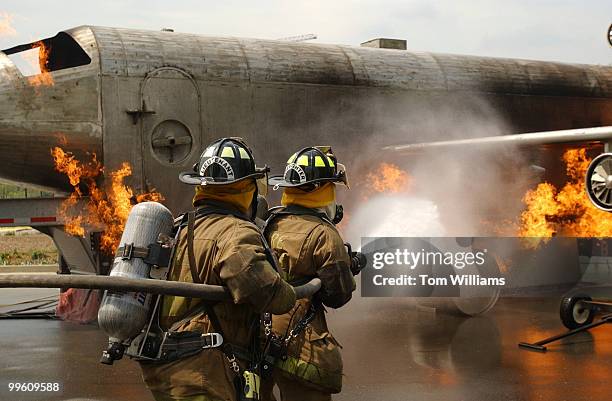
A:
221	246
304	238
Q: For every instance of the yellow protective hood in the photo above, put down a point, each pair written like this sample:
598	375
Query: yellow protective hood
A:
320	197
238	194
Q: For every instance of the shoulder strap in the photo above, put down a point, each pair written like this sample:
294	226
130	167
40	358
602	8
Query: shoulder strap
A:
190	253
208	307
208	210
295	210
205	306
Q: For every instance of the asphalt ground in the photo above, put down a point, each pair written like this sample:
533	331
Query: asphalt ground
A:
392	351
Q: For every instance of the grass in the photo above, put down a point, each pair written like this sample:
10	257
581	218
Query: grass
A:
31	249
8	191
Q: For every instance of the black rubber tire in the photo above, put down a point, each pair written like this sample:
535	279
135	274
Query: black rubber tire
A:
566	312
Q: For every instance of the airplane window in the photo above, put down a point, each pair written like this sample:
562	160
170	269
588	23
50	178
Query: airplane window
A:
47	55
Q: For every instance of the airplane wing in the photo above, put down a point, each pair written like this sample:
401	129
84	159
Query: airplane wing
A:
582	135
599	174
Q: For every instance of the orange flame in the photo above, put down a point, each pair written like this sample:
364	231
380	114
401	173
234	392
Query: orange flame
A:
568	211
389	178
108	208
44	78
6	24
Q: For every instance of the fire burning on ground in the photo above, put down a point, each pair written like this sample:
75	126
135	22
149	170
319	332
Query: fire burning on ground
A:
565	212
105	208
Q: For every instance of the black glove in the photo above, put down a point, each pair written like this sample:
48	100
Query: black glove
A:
358	260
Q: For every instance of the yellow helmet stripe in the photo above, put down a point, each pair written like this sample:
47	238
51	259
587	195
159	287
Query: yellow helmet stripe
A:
302	160
228	152
243	153
292	158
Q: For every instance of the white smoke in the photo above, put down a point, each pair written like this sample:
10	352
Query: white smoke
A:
472	189
397	215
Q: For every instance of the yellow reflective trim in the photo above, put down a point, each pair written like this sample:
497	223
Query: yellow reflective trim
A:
331	161
302	160
319	161
228	152
322	379
292	158
243	153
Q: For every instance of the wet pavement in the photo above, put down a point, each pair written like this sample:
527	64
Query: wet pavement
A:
392	351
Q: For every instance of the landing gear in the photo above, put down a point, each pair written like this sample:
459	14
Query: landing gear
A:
577	314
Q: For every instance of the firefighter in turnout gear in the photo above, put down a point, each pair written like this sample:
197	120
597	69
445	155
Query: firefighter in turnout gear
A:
303	235
220	246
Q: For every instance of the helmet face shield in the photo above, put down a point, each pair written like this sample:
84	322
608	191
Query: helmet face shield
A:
262	184
342	175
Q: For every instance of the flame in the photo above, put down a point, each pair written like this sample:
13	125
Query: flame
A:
566	212
389	178
106	208
44	78
504	264
6	25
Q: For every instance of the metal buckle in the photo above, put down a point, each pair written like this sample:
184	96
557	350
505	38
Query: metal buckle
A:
216	340
128	251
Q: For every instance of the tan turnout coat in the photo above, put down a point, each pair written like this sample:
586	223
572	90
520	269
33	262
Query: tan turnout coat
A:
228	251
306	247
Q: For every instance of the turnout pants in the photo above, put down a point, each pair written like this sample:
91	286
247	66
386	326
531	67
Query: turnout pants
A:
290	390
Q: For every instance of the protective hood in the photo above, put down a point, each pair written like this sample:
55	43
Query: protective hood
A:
319	198
238	194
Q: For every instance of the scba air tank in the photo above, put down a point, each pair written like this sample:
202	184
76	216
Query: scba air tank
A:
122	315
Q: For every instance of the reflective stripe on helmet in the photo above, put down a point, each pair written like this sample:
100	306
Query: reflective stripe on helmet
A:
294	167
228	152
243	153
303	160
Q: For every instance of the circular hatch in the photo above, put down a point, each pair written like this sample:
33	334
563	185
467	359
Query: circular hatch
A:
171	142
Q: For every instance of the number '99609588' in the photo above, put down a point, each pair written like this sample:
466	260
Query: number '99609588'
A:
34	387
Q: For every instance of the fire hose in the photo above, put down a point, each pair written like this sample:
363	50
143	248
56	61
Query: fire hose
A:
151	286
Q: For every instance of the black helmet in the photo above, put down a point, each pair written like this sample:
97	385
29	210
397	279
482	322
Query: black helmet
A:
225	161
310	166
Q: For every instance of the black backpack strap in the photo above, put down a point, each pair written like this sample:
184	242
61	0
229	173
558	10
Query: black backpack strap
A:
208	307
208	210
295	210
190	252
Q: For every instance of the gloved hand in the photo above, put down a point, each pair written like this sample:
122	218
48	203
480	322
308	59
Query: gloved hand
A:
358	262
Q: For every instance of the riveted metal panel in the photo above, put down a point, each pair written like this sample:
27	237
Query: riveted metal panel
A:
253	60
170	131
